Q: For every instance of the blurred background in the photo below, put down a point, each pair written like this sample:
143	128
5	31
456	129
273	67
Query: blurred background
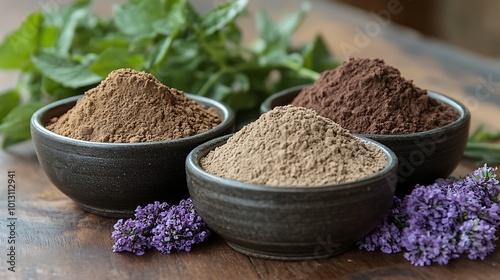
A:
472	25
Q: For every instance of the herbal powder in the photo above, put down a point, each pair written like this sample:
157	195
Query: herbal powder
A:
293	146
131	106
367	96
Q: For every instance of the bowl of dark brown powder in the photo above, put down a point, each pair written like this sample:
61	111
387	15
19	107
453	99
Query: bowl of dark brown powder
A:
291	185
427	130
124	142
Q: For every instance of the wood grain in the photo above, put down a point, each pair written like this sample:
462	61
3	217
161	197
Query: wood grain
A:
57	240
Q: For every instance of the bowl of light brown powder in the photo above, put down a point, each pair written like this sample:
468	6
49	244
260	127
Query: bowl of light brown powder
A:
124	142
291	185
427	130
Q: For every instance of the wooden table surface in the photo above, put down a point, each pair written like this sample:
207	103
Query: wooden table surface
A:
57	240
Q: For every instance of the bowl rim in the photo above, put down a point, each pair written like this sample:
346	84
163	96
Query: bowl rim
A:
227	115
459	107
193	159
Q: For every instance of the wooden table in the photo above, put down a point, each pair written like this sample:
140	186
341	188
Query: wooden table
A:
57	240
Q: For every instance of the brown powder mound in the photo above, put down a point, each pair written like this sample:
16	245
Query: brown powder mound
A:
293	146
131	106
369	97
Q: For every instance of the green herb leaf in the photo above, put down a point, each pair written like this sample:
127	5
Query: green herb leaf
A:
219	91
174	20
242	100
317	56
64	70
482	145
114	58
170	26
493	147
217	18
56	90
8	141
30	84
8	101
273	47
289	24
481	135
137	18
100	44
18	46
16	125
71	17
161	54
269	33
48	35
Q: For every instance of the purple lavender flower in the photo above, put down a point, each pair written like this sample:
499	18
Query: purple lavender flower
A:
424	247
129	237
476	239
161	226
387	236
178	228
429	234
437	223
149	214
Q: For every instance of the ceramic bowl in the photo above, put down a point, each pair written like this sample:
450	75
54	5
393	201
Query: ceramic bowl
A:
423	156
290	223
112	179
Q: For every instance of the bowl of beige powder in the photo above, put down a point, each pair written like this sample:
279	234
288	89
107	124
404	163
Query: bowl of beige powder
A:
427	130
291	185
124	143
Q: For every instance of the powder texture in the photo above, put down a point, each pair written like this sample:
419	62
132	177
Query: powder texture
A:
293	146
369	97
131	106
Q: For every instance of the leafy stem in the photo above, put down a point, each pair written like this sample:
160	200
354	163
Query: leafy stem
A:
485	146
482	145
163	53
305	72
211	82
301	71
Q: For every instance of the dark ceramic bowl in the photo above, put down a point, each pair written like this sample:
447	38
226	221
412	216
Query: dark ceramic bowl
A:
112	179
423	156
290	223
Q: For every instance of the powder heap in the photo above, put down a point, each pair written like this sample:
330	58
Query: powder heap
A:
293	146
131	106
369	97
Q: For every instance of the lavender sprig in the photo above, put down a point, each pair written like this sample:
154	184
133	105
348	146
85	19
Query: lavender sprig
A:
387	236
129	237
178	228
440	222
161	226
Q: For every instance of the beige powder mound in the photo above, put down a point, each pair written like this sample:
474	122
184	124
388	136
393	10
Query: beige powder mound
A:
131	106
294	146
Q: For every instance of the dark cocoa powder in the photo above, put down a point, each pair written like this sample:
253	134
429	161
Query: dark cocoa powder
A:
369	97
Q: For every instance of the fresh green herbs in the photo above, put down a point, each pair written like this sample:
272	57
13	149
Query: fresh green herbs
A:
63	52
483	145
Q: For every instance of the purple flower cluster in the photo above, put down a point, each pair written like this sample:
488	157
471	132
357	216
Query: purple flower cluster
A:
158	225
178	229
441	221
